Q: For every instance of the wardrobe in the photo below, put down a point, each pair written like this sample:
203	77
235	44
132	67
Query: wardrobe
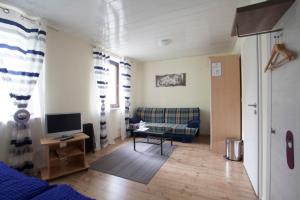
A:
225	100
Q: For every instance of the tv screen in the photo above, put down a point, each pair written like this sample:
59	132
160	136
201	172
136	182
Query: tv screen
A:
63	123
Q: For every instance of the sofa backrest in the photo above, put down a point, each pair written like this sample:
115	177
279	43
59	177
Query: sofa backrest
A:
181	115
155	115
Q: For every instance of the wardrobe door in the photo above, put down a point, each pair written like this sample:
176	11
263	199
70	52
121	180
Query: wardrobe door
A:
225	100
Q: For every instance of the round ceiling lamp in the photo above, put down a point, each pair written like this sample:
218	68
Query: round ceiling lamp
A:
165	42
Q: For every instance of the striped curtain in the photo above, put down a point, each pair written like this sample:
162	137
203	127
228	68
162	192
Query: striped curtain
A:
22	46
101	69
125	95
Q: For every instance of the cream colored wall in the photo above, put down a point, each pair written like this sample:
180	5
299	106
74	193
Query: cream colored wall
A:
69	77
68	74
136	84
70	84
196	93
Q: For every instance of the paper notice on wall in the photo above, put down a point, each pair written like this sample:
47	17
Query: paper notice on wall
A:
216	69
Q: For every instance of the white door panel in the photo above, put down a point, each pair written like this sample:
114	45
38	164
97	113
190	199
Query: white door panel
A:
250	114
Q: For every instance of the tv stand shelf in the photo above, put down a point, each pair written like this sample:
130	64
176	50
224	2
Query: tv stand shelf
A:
64	157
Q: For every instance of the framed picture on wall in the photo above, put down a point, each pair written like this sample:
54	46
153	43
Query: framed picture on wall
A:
170	80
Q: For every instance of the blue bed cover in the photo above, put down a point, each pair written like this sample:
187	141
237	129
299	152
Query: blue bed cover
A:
17	186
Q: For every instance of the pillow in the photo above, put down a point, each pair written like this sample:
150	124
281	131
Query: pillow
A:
193	123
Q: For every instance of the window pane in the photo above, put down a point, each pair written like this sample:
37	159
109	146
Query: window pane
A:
113	84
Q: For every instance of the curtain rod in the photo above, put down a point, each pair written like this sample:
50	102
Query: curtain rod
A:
113	54
110	52
6	9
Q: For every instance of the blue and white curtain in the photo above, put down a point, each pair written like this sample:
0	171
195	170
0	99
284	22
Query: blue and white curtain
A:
22	47
101	69
125	96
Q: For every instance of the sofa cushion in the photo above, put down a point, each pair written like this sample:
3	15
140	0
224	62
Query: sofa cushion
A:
155	115
181	129
181	115
159	127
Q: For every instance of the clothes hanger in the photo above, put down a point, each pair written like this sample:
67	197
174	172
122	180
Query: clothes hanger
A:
279	49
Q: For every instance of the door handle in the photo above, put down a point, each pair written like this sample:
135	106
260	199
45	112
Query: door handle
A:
252	105
290	149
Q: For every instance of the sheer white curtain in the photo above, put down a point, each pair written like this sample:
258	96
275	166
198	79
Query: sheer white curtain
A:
101	69
125	96
36	109
22	52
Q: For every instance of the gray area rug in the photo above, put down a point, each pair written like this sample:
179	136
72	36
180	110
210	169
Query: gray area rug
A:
140	165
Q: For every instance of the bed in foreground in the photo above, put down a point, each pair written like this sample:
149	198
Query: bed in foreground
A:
15	185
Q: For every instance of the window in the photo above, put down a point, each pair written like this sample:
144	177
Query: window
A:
114	84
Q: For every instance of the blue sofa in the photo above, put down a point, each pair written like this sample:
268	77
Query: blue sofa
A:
181	123
17	186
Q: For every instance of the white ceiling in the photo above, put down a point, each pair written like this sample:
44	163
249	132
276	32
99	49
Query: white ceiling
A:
133	28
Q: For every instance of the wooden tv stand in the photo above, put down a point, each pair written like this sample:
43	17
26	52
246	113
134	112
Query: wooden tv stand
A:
64	157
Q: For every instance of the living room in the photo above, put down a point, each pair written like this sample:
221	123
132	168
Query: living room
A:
161	92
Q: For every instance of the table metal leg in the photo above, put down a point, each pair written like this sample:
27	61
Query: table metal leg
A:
171	141
161	146
134	141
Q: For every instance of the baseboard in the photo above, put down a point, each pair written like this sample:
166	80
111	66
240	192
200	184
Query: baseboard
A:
204	133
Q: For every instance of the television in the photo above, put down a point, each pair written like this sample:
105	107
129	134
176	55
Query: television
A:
65	124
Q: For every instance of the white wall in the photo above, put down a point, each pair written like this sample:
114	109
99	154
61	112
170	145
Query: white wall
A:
196	93
286	80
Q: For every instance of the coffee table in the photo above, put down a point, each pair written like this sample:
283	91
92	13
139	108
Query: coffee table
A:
151	133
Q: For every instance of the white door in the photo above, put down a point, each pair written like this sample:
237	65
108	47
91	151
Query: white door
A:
249	61
285	182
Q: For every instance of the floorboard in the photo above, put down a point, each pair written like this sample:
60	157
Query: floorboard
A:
192	172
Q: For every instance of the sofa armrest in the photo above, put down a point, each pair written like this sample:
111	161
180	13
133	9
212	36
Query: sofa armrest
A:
134	120
195	123
134	123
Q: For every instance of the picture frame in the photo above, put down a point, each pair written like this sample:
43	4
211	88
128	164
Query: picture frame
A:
170	80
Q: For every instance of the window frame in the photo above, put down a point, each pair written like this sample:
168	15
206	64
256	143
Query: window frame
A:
116	64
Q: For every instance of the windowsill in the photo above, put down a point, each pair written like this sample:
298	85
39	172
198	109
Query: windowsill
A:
33	118
114	108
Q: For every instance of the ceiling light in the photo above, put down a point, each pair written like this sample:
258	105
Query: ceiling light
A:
165	42
5	10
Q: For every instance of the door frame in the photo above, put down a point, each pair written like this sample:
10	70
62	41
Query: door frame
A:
259	117
264	119
264	127
265	171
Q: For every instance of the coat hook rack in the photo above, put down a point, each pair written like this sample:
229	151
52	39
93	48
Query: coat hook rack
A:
279	50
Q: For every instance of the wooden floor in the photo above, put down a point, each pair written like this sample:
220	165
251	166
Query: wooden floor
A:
192	172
